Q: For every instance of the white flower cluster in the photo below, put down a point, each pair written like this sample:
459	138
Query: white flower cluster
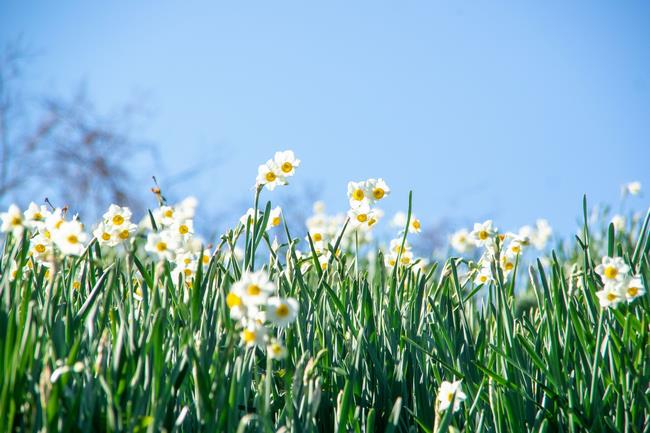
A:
174	239
324	230
397	251
116	226
362	197
275	171
254	303
511	245
618	284
52	234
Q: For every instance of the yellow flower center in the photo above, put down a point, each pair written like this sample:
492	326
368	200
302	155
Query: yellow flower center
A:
270	176
515	249
611	272
632	291
248	336
124	234
161	246
254	290
76	285
483	235
16	221
282	310
509	266
287	167
275	222
318	237
187	261
187	272
106	236
372	222
40	248
378	193
483	278
416	224
37	216
358	194
169	213
405	260
611	296
73	239
233	300
205	259
450	396
183	229
118	220
362	217
276	348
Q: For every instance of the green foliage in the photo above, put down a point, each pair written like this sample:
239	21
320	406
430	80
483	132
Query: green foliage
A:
101	343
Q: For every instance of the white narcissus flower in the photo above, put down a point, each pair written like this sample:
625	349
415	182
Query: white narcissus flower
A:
461	241
254	288
167	214
275	218
377	189
35	216
53	222
515	246
483	233
249	217
609	296
186	264
276	350
633	288
12	220
70	238
363	215
633	188
125	231
254	335
270	175
281	311
164	244
116	216
484	275
508	262
182	228
105	235
612	270
396	246
40	247
450	392
287	162
358	194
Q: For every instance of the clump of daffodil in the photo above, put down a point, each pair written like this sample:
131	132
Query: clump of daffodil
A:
254	304
618	283
276	171
116	226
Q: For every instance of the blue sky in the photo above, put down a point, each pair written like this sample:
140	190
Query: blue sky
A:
508	110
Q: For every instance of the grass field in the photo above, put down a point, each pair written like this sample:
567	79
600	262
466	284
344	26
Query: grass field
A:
142	328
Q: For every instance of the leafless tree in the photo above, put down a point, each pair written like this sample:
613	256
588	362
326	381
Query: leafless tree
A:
64	148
